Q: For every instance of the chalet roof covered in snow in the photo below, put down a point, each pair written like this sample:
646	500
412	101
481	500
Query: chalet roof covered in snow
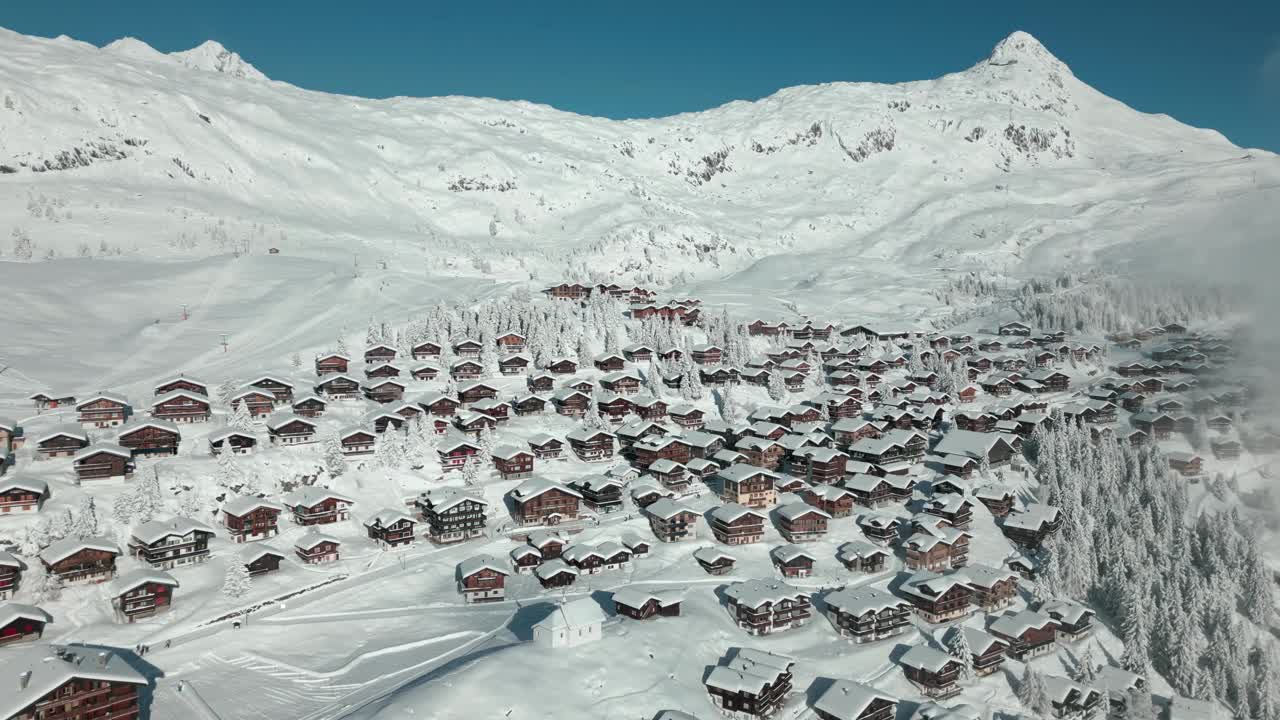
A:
755	592
968	443
741	472
108	396
102	447
796	510
256	551
712	555
63	549
1015	624
313	538
310	496
730	512
979	640
281	419
847	700
859	601
579	613
52	666
923	657
67	429
10	561
790	553
26	483
136	579
635	596
241	506
176	394
666	508
388	517
475	564
157	530
535	486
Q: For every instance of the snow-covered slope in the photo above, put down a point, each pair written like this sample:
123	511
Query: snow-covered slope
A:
1011	159
850	199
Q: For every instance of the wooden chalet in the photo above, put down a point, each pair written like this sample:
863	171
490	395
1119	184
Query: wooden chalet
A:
331	364
754	684
748	485
167	544
802	522
734	524
568	291
452	515
75	560
309	406
357	441
516	364
939	598
378	354
1070	699
935	673
609	362
882	529
997	498
455	453
51	400
1031	527
792	561
311	505
289	429
866	614
258	403
614	408
987	652
153	438
383	390
540	382
21	495
833	500
382	370
571	402
555	573
103	410
1074	622
955	509
233	440
637	353
591	445
339	386
562	366
21	623
763	607
261	559
1185	464
862	556
937	549
73	683
706	354
424	372
142	594
438	405
641	604
623	382
671	521
713	561
482	579
993	588
513	463
315	548
546	447
653	448
103	461
849	431
10	574
281	390
390	528
602	494
542	502
249	518
181	406
1028	634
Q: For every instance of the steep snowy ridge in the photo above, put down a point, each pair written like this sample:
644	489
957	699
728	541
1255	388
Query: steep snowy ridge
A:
213	57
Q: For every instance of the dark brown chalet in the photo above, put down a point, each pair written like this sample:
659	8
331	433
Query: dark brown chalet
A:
766	329
650	408
510	343
103	461
20	623
382	370
614	408
482	579
514	364
867	614
545	447
357	441
935	673
818	465
638	353
653	448
236	442
20	495
281	390
513	463
456	453
609	362
568	291
1028	634
998	499
154	438
466	369
671	521
802	522
339	387
331	364
848	431
706	354
261	560
289	429
591	445
426	351
734	524
939	549
312	505
103	410
384	390
315	548
439	405
939	598
763	607
258	403
686	416
251	518
378	354
181	406
562	366
74	560
754	684
424	372
475	392
390	528
73	683
600	493
171	543
541	382
1031	527
451	515
834	501
542	502
640	604
526	405
571	402
309	406
993	589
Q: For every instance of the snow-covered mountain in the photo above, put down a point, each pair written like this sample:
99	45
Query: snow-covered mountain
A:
1012	160
849	199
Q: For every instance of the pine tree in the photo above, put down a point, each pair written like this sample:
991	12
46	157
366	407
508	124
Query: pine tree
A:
1266	685
958	648
690	381
240	418
296	361
1087	670
236	582
777	388
584	352
60	527
44	587
335	463
149	501
28	543
1032	692
226	390
124	508
1258	605
1137	652
86	519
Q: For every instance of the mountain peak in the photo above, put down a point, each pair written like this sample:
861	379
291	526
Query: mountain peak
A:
1022	48
132	47
213	57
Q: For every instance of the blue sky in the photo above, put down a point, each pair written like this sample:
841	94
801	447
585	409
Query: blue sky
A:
1208	64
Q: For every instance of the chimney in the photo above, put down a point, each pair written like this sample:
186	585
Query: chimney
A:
24	679
104	658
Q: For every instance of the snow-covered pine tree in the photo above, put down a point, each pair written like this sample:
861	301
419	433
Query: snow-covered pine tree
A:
585	357
1086	667
1032	692
45	588
226	390
1256	587
240	419
61	525
691	382
1135	632
335	463
236	582
296	361
1265	684
85	524
777	388
653	379
958	648
29	542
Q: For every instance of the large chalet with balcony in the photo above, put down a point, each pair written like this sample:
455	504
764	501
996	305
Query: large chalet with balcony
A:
452	515
167	544
866	614
542	502
251	518
103	410
763	607
151	438
76	560
312	505
734	524
182	406
482	579
390	528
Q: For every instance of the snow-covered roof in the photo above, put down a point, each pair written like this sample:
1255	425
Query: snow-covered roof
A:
986	576
256	551
175	394
223	434
1015	624
138	578
19	482
506	452
241	506
859	601
1059	688
968	443
1033	518
9	560
52	666
387	517
712	555
792	511
443	498
1067	611
741	472
67	429
475	564
730	512
535	486
108	396
281	419
754	593
63	549
313	538
859	549
310	496
847	700
156	530
579	613
586	434
102	447
790	552
924	657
